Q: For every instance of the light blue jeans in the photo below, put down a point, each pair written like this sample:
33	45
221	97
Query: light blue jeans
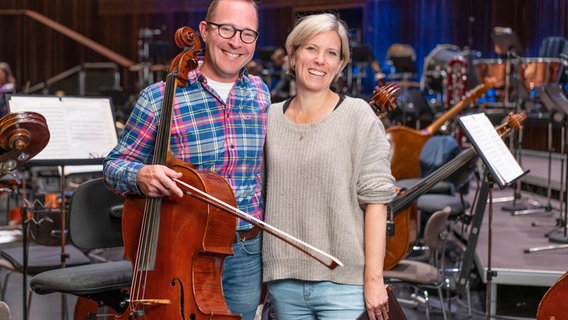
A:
242	277
303	300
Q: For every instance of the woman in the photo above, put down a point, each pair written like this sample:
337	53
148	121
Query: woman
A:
328	183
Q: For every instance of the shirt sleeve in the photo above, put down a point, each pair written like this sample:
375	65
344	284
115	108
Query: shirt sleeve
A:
135	145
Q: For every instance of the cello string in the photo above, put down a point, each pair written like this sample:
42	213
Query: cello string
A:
255	220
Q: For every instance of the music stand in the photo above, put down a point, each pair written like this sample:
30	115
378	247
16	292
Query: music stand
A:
82	132
506	41
361	58
503	169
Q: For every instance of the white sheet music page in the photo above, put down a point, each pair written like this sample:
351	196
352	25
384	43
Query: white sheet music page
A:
79	128
491	148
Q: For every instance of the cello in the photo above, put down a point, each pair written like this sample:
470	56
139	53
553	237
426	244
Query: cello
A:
176	276
178	245
552	306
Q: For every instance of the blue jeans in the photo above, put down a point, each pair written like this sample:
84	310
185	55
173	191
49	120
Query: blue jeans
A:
242	277
302	300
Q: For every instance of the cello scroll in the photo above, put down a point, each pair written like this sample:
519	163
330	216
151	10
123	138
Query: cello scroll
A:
22	136
384	99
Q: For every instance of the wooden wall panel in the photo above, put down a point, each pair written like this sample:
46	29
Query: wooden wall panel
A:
37	52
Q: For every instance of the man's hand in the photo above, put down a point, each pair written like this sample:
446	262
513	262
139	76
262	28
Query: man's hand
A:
156	181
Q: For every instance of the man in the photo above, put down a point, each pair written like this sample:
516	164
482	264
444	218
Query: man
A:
220	124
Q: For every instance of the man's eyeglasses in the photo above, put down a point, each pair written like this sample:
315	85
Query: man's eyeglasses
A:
227	31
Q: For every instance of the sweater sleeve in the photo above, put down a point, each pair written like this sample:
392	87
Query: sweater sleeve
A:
375	182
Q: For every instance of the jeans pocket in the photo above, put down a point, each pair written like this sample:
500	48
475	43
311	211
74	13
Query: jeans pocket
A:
253	246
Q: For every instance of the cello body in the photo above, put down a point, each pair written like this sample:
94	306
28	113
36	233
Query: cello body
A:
553	303
193	240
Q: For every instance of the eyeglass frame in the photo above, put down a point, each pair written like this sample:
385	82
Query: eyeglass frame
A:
220	25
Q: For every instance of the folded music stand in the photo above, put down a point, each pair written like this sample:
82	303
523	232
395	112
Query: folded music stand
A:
501	168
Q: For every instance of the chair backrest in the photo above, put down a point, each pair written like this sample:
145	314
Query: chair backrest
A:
95	216
552	47
436	152
436	229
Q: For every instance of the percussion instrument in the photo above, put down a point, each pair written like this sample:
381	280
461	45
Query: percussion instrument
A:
493	68
538	72
438	61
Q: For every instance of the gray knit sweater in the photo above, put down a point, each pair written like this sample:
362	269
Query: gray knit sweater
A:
318	177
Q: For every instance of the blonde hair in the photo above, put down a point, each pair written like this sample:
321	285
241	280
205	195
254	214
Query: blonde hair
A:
308	27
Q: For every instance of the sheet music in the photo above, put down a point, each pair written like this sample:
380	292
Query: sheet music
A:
80	128
491	147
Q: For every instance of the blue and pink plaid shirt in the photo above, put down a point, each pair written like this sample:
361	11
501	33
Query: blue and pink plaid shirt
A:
226	138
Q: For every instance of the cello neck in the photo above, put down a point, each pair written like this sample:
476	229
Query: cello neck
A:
470	97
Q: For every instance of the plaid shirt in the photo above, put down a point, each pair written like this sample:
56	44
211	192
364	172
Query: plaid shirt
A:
226	138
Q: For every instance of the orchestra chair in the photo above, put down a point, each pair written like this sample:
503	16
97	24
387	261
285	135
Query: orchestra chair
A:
95	223
552	47
424	276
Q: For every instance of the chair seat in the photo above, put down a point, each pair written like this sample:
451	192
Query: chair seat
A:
85	280
44	258
436	202
414	272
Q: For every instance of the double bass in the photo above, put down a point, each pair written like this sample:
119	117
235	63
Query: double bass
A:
178	245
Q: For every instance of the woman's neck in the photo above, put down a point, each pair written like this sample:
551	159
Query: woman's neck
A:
310	108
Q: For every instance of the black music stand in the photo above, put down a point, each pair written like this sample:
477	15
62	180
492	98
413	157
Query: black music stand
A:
501	168
82	132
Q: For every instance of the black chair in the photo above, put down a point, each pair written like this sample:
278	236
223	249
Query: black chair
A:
41	251
95	215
